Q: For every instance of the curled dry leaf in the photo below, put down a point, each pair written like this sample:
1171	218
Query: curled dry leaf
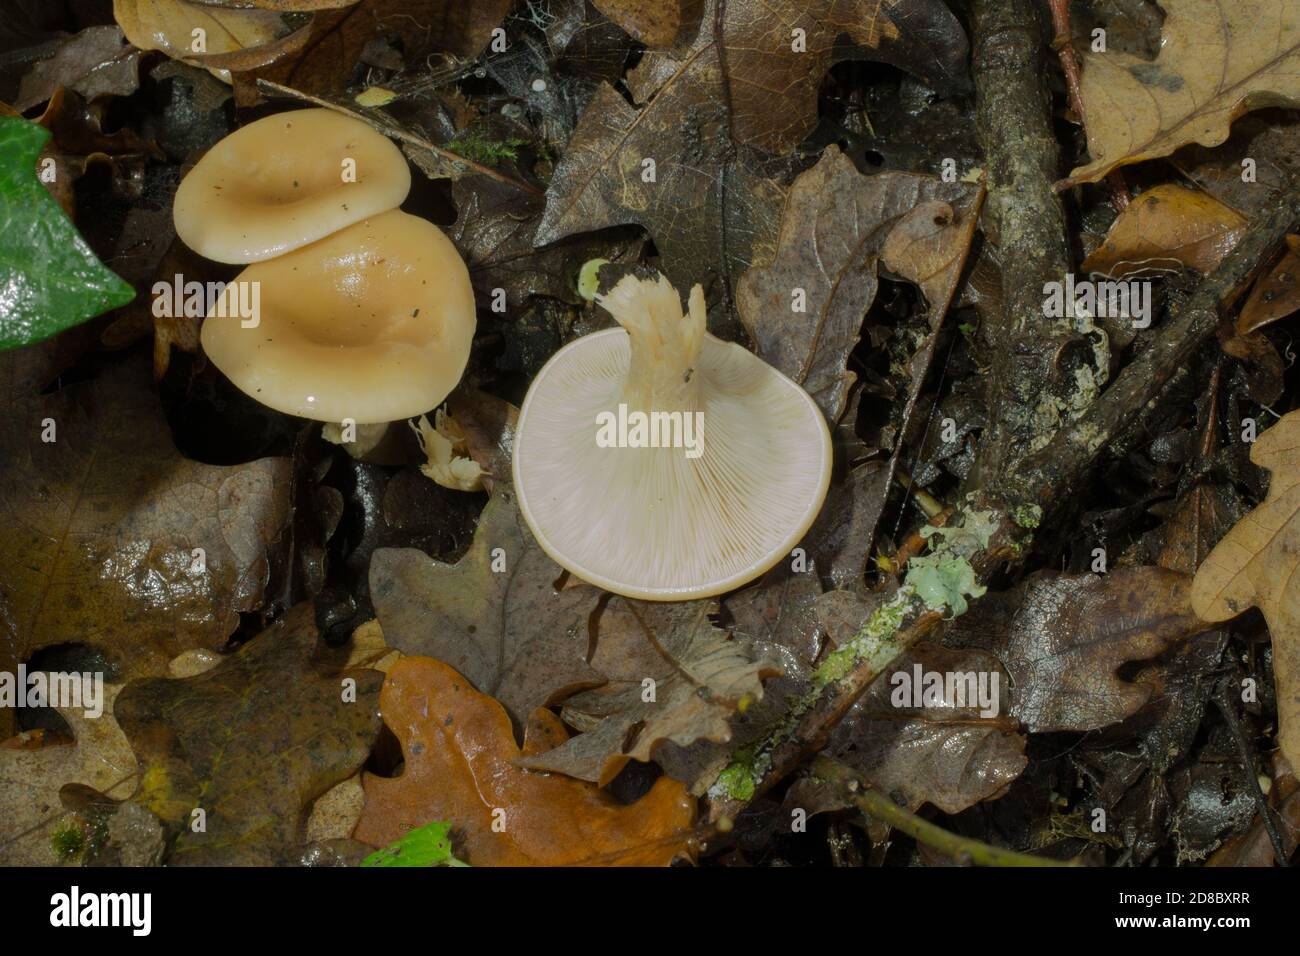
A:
1257	564
32	772
1167	228
1064	637
95	62
219	38
495	616
113	539
1275	295
701	680
804	308
461	766
1218	59
231	742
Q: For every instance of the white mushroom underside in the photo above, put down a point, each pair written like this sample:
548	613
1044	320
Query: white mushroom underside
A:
651	522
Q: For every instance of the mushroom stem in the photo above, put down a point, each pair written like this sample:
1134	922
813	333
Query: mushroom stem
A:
665	343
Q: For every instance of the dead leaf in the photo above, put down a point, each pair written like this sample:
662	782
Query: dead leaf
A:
230	38
495	615
31	777
1167	228
701	680
1256	565
776	53
1217	60
113	539
656	23
1064	637
233	743
943	754
669	167
461	766
1275	295
489	426
95	62
804	309
337	38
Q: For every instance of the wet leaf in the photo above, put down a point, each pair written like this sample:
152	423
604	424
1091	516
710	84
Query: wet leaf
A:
1167	228
495	615
1255	565
50	277
1217	60
428	845
461	767
1276	295
234	744
702	679
1063	639
33	771
656	23
804	308
114	539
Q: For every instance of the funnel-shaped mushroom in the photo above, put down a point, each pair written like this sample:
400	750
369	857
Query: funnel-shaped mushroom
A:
372	324
284	181
659	462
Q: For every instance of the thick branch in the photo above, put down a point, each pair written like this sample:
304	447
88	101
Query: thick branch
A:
1025	221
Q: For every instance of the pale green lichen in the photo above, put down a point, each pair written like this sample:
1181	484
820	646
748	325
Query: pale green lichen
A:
943	581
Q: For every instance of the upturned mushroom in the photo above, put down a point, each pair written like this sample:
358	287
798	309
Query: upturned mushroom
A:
371	324
285	181
659	462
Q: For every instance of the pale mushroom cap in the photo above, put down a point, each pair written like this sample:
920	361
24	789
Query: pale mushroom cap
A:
372	324
652	523
279	183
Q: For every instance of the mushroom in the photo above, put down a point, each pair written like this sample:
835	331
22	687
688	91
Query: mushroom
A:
287	180
659	462
371	324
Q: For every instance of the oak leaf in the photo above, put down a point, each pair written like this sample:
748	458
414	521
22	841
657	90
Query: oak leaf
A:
1064	637
700	681
1167	228
461	767
32	772
1218	59
1257	564
115	540
218	38
804	307
495	615
252	742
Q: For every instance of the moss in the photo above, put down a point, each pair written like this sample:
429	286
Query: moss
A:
486	152
739	781
68	841
1027	516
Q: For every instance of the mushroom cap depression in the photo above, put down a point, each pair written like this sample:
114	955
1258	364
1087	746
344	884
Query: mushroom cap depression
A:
653	522
373	323
279	183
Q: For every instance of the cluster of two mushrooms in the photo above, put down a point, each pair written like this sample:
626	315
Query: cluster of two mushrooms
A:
366	314
653	460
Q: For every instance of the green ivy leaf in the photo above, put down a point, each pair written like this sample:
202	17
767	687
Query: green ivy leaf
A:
428	845
49	278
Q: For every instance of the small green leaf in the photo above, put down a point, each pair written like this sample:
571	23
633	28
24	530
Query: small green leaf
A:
49	278
424	846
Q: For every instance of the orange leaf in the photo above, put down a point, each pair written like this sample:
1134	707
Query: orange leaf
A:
1276	295
461	766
